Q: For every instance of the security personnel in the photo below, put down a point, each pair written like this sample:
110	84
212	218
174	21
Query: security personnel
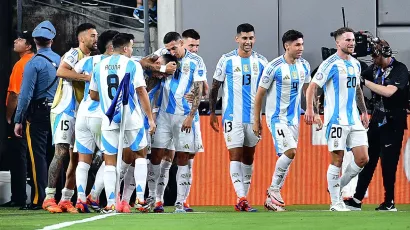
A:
34	102
388	79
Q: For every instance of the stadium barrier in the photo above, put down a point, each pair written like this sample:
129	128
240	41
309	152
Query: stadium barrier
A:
305	184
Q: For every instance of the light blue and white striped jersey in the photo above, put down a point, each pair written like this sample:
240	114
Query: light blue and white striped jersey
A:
339	79
88	107
106	78
284	83
191	69
241	79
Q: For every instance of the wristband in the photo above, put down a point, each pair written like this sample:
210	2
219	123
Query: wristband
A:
163	68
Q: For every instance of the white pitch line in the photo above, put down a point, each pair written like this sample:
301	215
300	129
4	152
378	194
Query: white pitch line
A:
69	223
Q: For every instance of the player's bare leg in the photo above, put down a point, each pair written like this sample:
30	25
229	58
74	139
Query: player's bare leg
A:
61	154
68	191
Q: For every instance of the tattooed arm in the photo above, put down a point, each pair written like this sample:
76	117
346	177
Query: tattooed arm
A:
149	63
197	91
213	98
362	106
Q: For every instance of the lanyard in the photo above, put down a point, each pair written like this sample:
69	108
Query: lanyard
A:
380	69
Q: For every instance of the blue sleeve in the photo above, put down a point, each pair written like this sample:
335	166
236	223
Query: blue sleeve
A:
26	92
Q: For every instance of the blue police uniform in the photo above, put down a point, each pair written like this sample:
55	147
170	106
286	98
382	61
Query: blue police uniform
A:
37	92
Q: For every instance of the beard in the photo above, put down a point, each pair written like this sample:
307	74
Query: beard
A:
346	51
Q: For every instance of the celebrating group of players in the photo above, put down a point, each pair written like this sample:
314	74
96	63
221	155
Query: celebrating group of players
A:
114	102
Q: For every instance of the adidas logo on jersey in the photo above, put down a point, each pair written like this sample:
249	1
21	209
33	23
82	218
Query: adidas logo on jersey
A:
185	183
287	77
161	183
237	181
237	69
186	146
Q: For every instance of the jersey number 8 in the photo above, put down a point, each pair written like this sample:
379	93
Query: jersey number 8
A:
112	83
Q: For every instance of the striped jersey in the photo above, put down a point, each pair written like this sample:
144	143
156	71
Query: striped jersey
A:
241	79
339	79
191	68
284	83
106	78
88	107
69	93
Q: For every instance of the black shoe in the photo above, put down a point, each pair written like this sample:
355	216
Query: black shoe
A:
31	207
386	207
352	205
11	204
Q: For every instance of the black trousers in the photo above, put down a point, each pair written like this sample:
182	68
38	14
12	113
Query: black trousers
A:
38	132
385	142
16	150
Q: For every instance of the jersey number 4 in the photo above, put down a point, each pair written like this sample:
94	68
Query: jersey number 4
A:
112	83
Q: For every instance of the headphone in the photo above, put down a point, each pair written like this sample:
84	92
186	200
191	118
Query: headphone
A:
383	50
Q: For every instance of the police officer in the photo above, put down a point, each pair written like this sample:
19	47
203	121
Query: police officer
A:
34	102
388	80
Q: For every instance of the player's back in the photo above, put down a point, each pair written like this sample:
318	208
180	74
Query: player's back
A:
339	79
108	75
241	78
284	83
191	69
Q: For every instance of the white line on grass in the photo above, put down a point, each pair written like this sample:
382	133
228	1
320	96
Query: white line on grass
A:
69	223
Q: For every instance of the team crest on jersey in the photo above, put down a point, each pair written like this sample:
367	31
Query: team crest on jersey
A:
237	69
255	67
302	74
287	77
336	143
350	70
319	76
265	79
185	68
285	143
294	75
246	68
64	136
229	138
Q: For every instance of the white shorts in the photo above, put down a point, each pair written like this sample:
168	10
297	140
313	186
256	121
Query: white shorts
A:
134	139
238	135
87	134
198	137
63	126
284	136
149	141
169	129
340	137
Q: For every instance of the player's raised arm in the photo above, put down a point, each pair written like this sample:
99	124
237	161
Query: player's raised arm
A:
149	63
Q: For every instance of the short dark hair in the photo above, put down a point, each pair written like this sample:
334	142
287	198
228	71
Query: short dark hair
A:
171	36
169	58
290	36
84	27
41	41
245	27
104	39
121	39
191	33
341	31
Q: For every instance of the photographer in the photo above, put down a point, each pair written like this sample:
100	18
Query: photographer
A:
388	79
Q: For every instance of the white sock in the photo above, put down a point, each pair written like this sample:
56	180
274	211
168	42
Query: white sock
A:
247	176
140	174
190	166
284	178
281	168
98	183
110	178
66	194
129	184
351	171
182	183
162	180
81	177
235	170
333	183
152	178
124	167
50	193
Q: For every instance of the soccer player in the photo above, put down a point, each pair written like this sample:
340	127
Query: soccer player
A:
283	79
88	124
239	71
176	116
112	72
339	75
69	94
